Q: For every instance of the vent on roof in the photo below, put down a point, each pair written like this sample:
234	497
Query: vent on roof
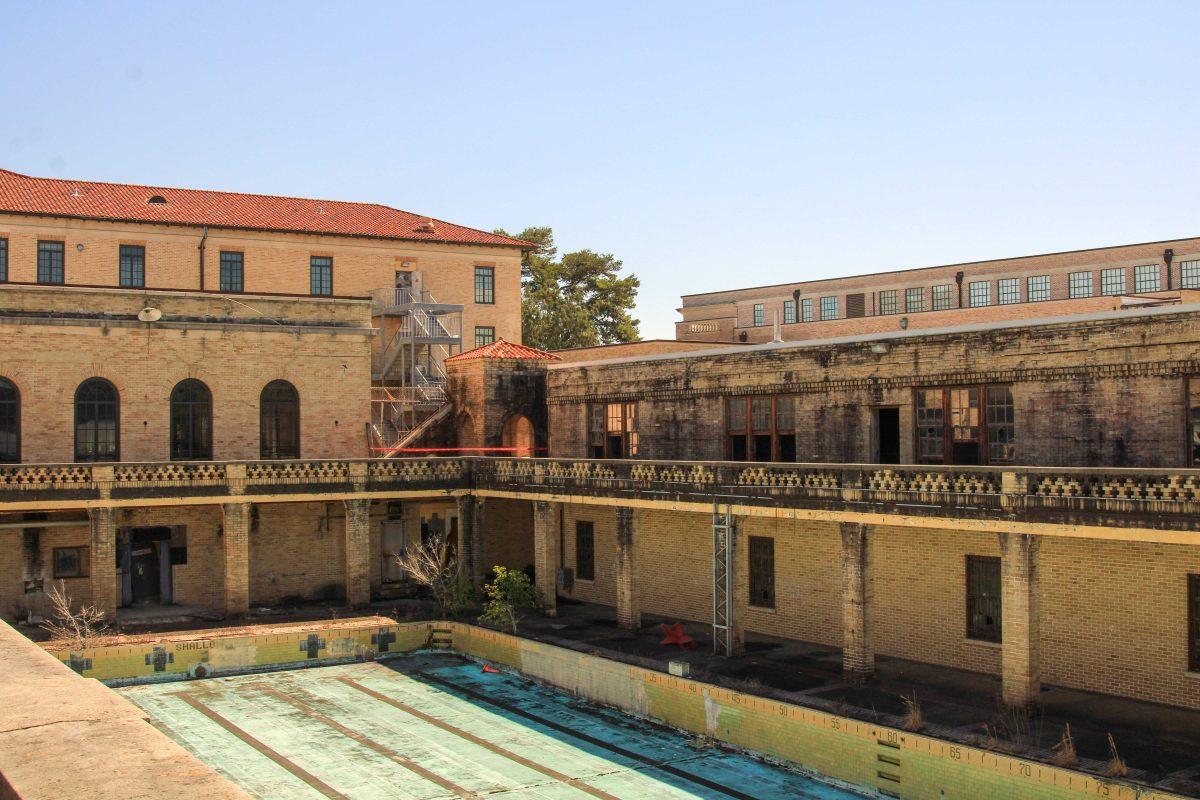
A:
426	226
157	200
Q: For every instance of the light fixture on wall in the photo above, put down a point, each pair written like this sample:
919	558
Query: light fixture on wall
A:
879	348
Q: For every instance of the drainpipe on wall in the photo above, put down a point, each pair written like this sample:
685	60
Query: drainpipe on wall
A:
203	239
1168	257
958	278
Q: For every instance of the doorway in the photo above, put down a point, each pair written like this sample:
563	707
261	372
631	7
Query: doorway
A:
517	437
146	564
887	435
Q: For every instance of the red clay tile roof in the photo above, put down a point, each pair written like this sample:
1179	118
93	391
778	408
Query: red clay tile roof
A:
22	194
503	349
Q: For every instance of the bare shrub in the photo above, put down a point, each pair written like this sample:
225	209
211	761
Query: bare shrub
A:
65	623
432	565
1116	767
1065	754
914	719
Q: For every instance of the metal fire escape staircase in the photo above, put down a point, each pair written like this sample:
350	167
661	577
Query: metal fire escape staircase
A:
408	394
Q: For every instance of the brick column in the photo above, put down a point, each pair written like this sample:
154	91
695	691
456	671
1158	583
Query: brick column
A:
546	537
470	537
235	536
1020	669
858	655
103	560
358	552
629	614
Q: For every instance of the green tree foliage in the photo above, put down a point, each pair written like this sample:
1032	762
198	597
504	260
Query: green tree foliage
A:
507	595
578	300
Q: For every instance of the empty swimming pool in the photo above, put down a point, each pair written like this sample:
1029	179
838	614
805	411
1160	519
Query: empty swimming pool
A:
430	726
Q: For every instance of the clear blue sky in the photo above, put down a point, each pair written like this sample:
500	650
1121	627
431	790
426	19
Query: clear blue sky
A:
709	146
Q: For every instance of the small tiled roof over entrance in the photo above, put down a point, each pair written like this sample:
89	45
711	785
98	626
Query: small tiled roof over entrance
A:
503	349
120	202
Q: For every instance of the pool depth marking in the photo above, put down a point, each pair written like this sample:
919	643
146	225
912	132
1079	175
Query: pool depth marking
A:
676	771
262	747
383	750
470	737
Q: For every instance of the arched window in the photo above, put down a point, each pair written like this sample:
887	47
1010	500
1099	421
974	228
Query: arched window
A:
97	421
191	421
10	422
279	421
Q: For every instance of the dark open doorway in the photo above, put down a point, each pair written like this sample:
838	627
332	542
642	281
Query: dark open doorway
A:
146	564
887	435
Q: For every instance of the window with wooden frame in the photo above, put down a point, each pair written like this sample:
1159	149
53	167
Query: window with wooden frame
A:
943	297
762	571
984	612
914	299
1193	421
789	312
1037	288
965	425
1193	608
585	551
70	562
806	310
979	293
612	430
760	428
1008	290
889	302
760	317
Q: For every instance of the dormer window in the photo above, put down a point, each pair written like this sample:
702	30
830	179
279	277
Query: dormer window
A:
157	200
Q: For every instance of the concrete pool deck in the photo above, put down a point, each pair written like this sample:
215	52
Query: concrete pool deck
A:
433	725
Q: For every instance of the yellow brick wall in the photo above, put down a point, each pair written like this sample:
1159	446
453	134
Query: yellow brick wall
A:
603	589
507	533
294	554
47	363
274	263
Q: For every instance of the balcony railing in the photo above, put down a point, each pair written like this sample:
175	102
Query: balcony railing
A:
1166	499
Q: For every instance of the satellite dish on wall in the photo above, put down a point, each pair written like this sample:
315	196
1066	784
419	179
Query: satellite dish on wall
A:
149	314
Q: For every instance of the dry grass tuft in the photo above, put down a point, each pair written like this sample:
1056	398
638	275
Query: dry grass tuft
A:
1116	767
914	720
1064	752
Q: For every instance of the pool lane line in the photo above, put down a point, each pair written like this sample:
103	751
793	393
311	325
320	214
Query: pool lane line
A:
383	750
484	743
296	770
650	762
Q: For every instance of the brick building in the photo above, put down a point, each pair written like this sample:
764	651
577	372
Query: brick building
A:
1013	497
1027	287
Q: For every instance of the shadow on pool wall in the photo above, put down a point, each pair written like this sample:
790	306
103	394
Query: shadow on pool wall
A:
894	762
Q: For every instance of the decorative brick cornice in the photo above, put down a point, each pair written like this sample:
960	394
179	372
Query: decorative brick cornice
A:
1162	369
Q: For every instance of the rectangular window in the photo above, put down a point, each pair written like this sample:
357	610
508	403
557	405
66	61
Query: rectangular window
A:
132	265
1000	417
762	571
70	562
979	293
585	551
1037	288
1193	605
1147	278
50	268
1008	290
484	334
889	302
1079	284
320	275
3	260
1193	420
1189	272
943	297
965	425
829	308
914	300
806	310
983	598
1112	281
485	285
232	271
760	428
931	424
789	312
612	430
759	318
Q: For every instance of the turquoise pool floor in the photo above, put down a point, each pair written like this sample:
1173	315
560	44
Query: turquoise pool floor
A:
431	726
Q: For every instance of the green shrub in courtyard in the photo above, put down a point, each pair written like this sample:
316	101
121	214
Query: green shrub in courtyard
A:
509	593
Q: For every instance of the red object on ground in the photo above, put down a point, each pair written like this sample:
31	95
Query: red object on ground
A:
490	668
675	635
